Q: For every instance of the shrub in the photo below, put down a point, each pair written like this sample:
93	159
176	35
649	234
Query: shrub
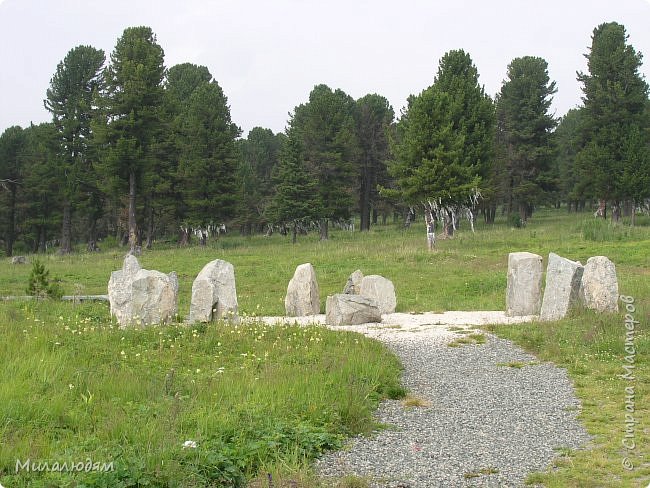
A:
40	285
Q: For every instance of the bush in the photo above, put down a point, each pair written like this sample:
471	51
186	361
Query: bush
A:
515	221
40	285
601	230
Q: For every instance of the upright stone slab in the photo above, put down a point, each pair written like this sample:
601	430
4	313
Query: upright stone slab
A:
342	309
599	286
141	297
303	294
562	287
214	295
153	297
524	291
381	291
353	285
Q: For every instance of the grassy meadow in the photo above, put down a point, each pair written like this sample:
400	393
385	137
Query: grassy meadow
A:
258	399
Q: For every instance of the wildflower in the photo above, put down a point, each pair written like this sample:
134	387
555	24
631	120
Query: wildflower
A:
70	386
189	444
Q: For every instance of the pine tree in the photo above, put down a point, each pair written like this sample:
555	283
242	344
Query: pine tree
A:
616	123
374	117
296	197
70	97
525	127
132	109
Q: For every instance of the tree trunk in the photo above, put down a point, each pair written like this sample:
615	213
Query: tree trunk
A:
66	229
324	229
633	216
42	238
365	200
133	226
374	216
616	212
92	234
150	227
294	233
523	212
602	209
431	229
11	224
185	237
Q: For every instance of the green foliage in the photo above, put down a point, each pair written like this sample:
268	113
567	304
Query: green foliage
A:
259	156
524	131
615	161
443	144
207	165
373	119
40	285
296	196
12	146
323	129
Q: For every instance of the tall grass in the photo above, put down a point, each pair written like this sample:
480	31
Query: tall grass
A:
73	387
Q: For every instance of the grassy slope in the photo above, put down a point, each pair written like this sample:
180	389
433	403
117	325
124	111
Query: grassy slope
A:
468	272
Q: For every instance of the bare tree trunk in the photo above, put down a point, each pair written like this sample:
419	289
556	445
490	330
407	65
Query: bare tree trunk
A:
633	215
150	227
324	229
431	229
185	237
602	209
365	200
11	224
616	212
92	234
294	233
66	229
133	226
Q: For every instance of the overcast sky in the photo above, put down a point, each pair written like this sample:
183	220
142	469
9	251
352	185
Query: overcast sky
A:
267	55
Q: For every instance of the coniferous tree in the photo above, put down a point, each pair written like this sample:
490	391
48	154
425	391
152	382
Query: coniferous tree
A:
374	117
616	125
42	191
208	158
442	143
325	128
12	146
296	198
69	99
568	142
258	157
132	108
525	127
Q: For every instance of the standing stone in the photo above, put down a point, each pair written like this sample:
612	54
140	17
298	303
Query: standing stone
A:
562	287
599	286
303	295
524	291
141	297
381	291
353	285
342	309
153	297
213	293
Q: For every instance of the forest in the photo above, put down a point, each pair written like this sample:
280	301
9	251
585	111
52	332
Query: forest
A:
137	152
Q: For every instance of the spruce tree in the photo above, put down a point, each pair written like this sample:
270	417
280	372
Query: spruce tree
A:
616	124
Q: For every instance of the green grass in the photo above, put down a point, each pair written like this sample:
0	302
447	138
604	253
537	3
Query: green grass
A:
74	386
138	408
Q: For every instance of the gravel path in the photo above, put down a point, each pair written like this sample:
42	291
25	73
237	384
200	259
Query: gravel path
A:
486	423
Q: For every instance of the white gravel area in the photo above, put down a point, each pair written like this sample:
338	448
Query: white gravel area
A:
484	423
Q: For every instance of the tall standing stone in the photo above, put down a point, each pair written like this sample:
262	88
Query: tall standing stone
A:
524	291
142	297
599	286
562	287
214	295
303	294
381	291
